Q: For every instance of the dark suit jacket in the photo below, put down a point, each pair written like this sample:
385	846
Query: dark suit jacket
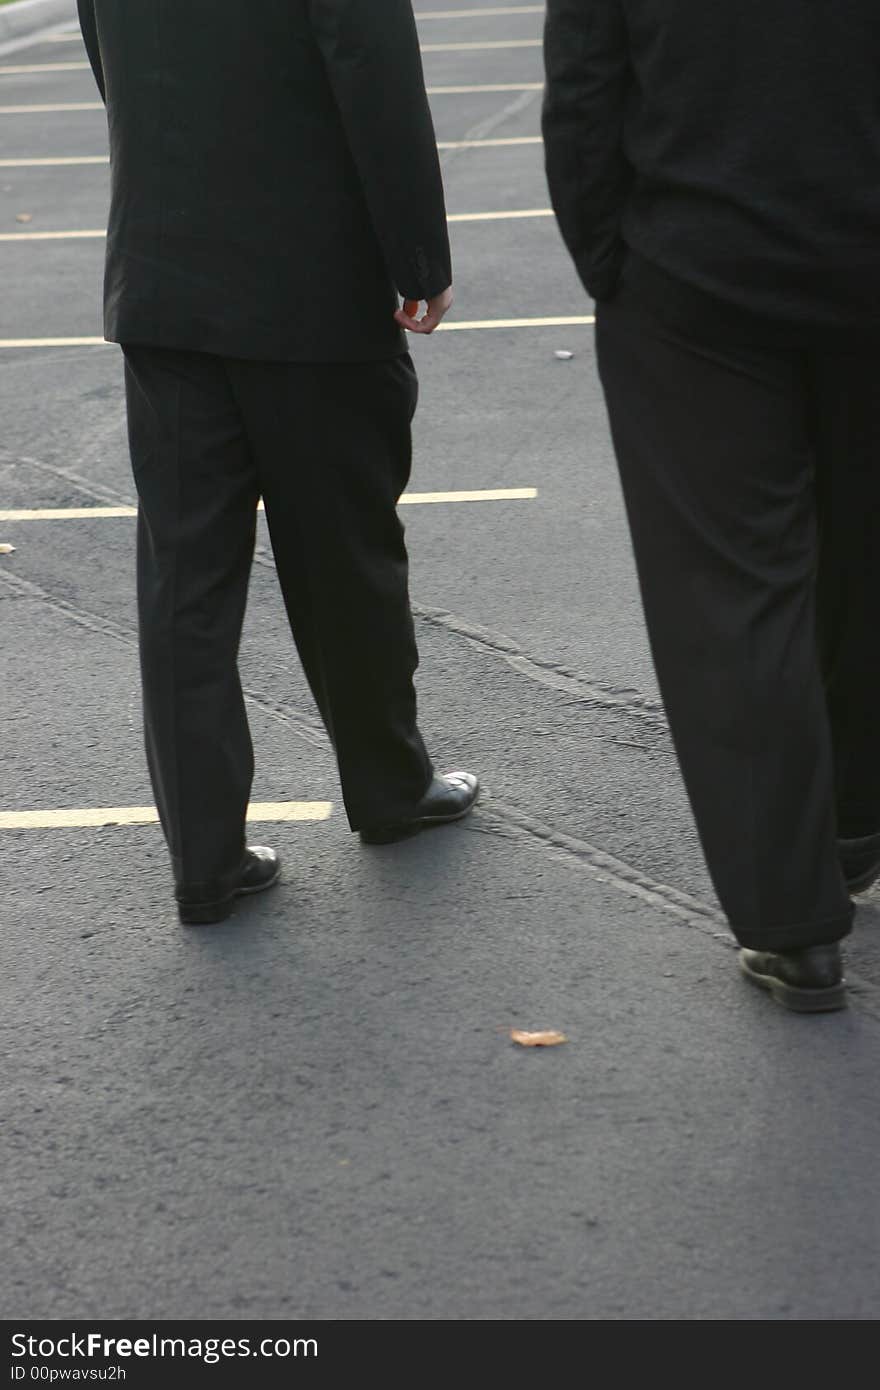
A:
274	169
732	144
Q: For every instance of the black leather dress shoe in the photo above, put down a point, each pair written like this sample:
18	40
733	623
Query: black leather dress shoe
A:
809	980
860	861
260	868
448	798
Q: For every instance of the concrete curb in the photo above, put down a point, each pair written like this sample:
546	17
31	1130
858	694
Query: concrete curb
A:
27	17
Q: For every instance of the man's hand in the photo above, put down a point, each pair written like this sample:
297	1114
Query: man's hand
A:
436	308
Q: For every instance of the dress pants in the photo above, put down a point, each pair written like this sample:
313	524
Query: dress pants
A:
328	448
751	476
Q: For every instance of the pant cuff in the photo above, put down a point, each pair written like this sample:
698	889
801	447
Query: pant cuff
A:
796	935
218	889
391	812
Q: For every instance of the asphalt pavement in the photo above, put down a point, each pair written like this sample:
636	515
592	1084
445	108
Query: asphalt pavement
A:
315	1109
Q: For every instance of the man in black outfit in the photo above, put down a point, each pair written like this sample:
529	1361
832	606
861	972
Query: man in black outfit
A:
715	169
275	183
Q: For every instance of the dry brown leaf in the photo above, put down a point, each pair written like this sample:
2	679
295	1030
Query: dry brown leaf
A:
24	217
546	1039
6	549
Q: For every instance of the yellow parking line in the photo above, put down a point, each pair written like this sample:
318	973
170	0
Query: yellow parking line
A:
45	108
82	817
19	69
53	160
498	143
32	69
479	14
486	87
412	499
498	494
48	162
52	236
51	342
49	108
73	35
511	215
479	47
560	322
65	513
460	326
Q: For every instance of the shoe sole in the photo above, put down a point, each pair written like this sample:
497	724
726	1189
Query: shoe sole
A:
205	914
406	832
801	1001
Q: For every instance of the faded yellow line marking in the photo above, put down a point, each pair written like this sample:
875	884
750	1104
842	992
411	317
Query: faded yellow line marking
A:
493	11
412	499
478	47
54	160
461	327
97	233
486	87
83	817
498	143
560	322
19	69
52	236
51	342
47	162
64	513
479	14
498	494
511	216
45	108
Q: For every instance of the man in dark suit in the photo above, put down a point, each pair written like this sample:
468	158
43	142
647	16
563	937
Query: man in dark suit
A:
715	169
275	184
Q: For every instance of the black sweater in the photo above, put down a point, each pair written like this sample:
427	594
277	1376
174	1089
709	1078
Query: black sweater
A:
732	144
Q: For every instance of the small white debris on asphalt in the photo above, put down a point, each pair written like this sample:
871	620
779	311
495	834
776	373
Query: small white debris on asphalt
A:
562	354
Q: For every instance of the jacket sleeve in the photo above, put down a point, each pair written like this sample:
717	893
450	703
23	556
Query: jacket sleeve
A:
586	61
371	53
88	24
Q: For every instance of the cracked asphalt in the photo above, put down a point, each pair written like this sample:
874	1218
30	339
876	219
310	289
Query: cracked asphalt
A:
315	1110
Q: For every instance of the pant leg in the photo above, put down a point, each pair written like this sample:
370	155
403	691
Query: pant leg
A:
718	478
332	444
197	495
846	425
